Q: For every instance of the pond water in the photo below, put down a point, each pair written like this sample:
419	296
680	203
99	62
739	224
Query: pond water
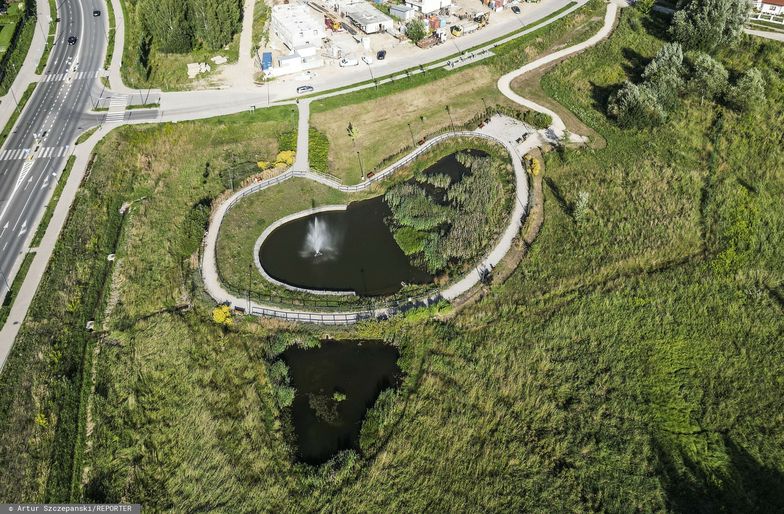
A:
336	384
351	250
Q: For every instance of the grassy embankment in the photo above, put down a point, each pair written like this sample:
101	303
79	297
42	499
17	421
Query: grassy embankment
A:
632	362
167	71
245	222
417	105
17	27
9	126
107	60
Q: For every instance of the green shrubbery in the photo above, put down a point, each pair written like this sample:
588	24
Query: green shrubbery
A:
443	223
318	150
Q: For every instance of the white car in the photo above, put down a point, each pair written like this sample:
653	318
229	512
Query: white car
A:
348	62
367	60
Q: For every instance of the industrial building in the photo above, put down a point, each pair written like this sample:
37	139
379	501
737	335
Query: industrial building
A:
369	19
428	6
296	26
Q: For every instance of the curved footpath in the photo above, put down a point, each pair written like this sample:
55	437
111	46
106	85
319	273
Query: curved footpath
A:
209	268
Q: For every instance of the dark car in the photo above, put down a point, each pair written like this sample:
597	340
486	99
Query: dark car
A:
72	40
380	55
515	9
96	13
304	89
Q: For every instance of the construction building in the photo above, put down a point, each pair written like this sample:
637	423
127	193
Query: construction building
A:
369	19
296	26
428	6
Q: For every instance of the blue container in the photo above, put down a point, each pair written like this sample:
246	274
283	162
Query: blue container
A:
266	61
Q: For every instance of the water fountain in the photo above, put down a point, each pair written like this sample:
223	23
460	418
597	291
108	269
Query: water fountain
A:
318	239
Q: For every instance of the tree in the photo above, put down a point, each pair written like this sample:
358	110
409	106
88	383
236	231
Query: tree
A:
748	92
664	74
167	22
636	106
644	6
416	30
708	77
708	25
214	22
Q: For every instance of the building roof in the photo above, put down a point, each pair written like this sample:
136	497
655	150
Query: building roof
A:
297	17
780	3
365	14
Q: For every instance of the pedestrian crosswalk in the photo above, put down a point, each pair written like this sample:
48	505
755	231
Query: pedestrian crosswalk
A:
46	152
116	112
79	75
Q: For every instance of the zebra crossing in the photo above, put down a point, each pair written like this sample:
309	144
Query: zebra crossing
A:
47	152
116	112
80	75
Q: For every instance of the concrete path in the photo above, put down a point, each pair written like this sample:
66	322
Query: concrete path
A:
27	74
501	130
303	141
776	36
556	131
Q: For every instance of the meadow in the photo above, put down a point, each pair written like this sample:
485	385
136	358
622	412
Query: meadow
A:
632	362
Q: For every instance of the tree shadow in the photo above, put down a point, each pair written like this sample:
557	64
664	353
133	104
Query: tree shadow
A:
565	206
748	487
634	64
601	95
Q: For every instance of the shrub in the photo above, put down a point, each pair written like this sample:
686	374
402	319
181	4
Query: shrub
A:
222	315
708	77
416	30
636	106
748	92
709	25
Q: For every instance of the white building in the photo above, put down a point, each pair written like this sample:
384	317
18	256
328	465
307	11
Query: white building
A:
428	6
402	12
770	6
368	18
297	26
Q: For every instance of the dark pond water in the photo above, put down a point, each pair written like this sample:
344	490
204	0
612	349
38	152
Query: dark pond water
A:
356	252
357	371
351	250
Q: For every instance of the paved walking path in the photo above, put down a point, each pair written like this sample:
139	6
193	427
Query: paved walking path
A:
501	129
556	130
27	74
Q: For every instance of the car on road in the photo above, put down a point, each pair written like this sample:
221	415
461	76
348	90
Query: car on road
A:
381	55
72	40
367	60
345	62
304	89
515	9
96	13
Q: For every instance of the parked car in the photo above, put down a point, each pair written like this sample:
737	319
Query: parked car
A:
367	60
304	89
515	9
381	55
345	62
72	40
96	13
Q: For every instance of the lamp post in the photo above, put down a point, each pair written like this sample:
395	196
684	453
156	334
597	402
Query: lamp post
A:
413	143
361	169
449	112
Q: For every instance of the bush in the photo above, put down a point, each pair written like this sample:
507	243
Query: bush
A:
748	93
636	106
318	150
710	25
708	77
222	315
416	30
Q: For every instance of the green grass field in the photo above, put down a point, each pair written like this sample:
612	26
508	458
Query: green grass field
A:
420	101
632	362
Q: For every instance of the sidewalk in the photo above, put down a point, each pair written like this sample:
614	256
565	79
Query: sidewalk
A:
27	73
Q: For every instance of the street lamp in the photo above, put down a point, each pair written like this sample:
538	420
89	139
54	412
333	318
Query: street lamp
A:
361	169
413	143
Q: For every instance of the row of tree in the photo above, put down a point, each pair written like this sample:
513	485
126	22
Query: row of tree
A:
179	26
702	27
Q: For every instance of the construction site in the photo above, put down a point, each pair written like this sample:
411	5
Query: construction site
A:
305	37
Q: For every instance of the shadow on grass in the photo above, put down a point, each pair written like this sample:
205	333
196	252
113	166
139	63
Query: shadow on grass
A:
748	486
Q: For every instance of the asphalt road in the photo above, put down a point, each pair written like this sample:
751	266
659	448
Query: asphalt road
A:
35	153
